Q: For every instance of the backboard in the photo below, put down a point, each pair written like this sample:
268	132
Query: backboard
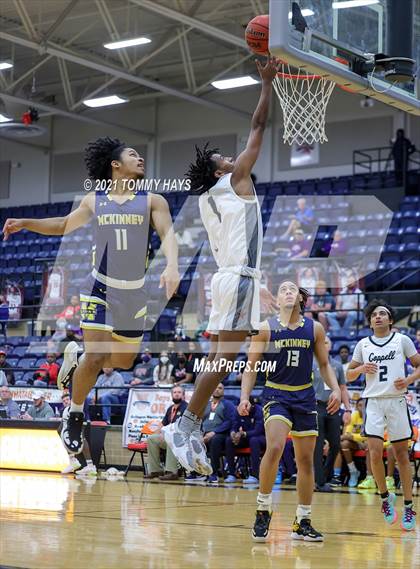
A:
360	27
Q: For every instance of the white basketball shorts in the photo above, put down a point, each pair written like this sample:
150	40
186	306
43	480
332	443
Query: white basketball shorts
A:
235	303
390	414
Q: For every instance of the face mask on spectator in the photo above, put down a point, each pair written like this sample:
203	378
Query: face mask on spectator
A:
182	360
176	400
145	358
164	360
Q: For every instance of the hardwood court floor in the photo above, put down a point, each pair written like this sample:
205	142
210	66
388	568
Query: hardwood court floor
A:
52	521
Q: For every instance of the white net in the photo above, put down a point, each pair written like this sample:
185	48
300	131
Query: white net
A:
303	99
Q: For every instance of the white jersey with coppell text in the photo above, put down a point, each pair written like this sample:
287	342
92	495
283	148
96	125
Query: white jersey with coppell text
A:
389	354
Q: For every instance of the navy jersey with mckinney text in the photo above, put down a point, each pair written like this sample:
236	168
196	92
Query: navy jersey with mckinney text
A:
121	239
293	352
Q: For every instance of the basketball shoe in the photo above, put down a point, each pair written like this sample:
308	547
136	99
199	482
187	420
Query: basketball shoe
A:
388	509
303	530
72	431
409	518
70	363
261	525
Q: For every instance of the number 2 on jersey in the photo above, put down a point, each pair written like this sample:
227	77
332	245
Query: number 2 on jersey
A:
383	373
121	237
293	358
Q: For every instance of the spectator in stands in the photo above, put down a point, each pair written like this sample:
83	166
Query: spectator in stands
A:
71	313
349	306
8	407
344	356
303	219
414	318
4	315
6	367
321	302
40	410
308	279
3	378
402	148
106	397
352	440
417	340
338	247
171	352
246	432
329	426
182	372
143	372
47	372
298	246
156	442
162	374
194	353
217	424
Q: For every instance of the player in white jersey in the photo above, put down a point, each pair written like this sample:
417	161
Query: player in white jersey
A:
231	215
381	357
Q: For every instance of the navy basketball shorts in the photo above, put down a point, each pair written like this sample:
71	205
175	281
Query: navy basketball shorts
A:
297	409
119	311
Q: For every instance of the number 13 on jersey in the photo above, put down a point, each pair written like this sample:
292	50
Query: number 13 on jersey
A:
293	358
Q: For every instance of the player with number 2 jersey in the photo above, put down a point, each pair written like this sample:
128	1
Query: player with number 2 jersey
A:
381	357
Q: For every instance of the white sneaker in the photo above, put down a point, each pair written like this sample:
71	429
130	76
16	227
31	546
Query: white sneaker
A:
73	465
180	445
201	462
68	366
89	470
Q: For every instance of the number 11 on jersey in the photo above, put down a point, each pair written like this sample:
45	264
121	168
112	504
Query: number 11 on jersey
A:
121	237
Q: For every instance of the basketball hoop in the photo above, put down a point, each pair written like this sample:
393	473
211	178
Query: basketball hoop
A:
303	98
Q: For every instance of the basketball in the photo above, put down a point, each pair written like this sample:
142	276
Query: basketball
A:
256	34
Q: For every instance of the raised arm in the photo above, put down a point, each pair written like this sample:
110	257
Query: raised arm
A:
257	348
246	160
162	222
53	225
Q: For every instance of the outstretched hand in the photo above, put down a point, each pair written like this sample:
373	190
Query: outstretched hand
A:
11	226
269	70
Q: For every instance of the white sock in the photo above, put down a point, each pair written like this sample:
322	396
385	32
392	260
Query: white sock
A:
189	422
74	408
303	512
264	501
352	467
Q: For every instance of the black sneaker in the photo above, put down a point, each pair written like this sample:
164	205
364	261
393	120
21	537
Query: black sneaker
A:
305	531
72	432
335	481
261	525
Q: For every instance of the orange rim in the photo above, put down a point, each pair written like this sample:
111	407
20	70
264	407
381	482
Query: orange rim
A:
344	61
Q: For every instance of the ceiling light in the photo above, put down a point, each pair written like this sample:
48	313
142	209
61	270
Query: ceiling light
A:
235	82
104	101
353	4
3	118
126	43
5	65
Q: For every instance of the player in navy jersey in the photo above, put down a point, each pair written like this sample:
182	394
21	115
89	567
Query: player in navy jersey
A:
113	301
289	404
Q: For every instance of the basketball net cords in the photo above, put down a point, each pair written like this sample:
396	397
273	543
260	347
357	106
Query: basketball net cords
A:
304	100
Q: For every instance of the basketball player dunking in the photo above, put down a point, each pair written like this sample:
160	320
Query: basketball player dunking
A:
113	300
231	215
290	341
381	357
